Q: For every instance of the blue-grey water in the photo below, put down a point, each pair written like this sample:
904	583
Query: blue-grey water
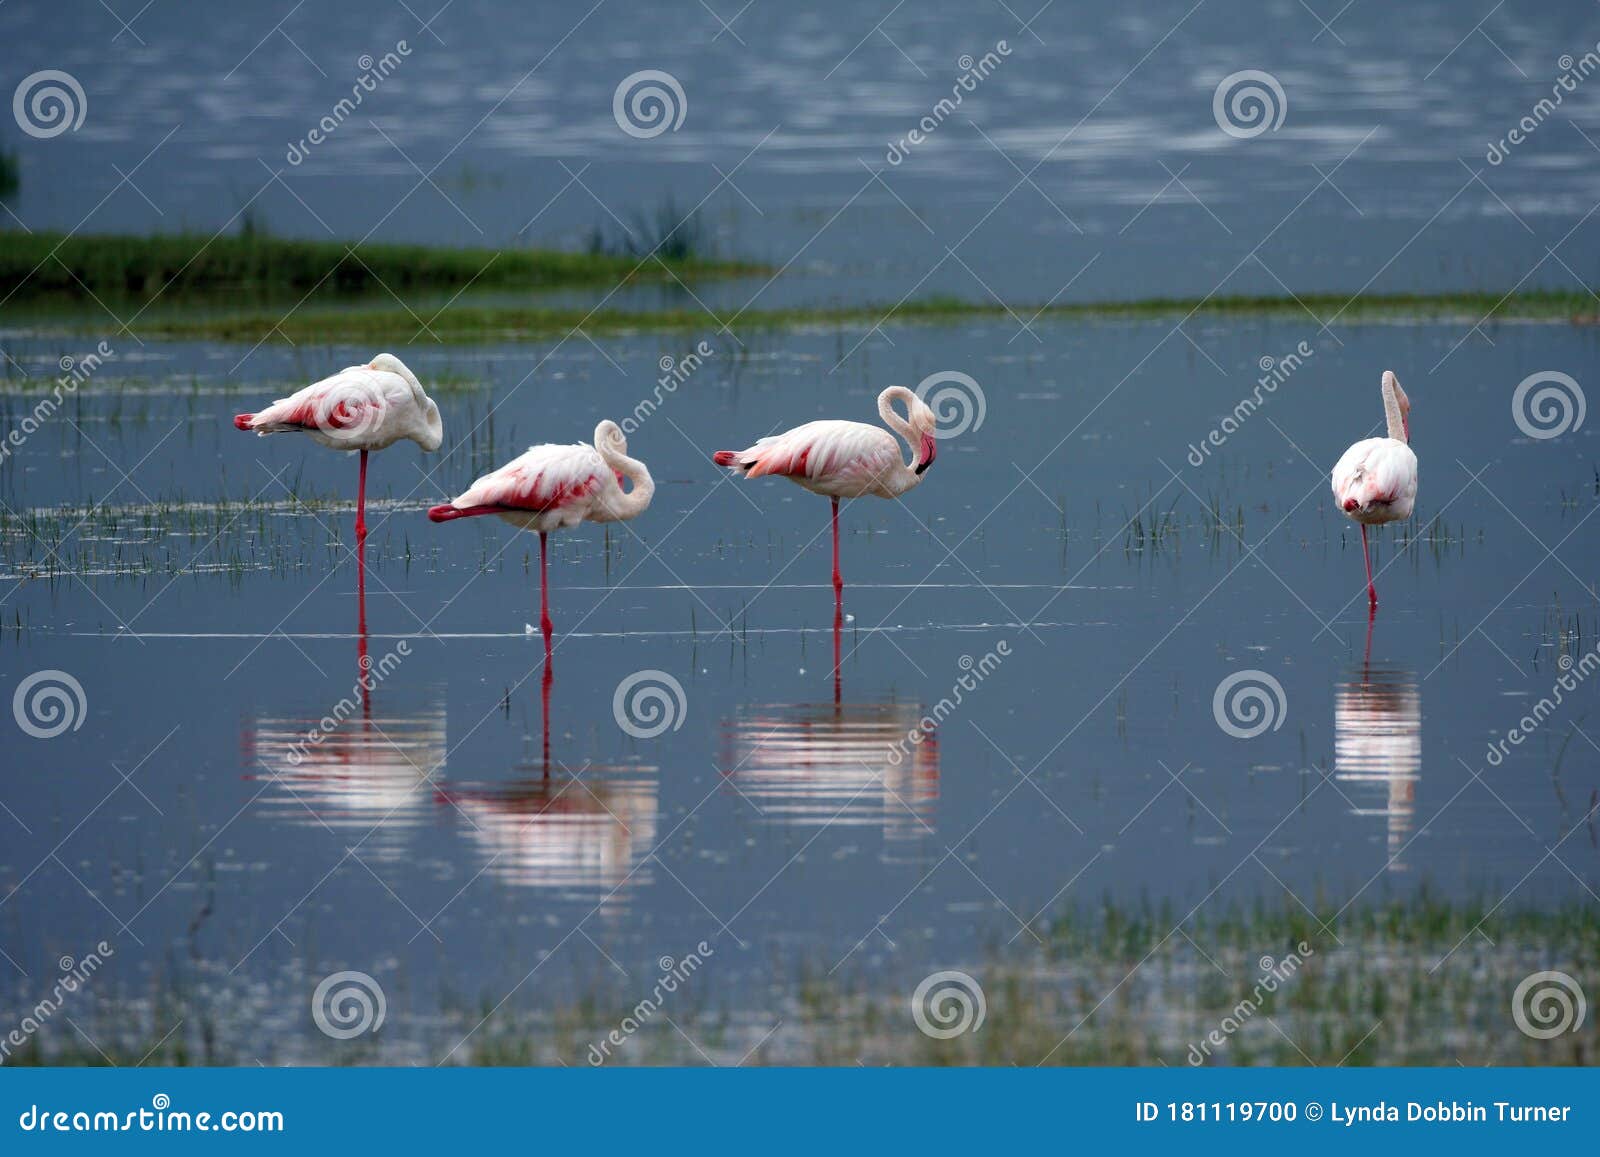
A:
1064	594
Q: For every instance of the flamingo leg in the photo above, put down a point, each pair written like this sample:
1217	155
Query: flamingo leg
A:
838	625
1372	591
545	625
361	502
544	710
838	580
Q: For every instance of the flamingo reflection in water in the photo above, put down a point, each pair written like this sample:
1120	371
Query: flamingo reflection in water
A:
354	769
583	832
837	763
357	767
1377	727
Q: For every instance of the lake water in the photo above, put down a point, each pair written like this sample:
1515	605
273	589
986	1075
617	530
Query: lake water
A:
1079	574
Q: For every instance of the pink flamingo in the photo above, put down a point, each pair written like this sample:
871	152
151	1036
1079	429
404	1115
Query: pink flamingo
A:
847	459
552	487
1376	480
363	408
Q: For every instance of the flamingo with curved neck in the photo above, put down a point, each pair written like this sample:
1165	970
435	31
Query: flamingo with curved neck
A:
842	459
1376	480
554	487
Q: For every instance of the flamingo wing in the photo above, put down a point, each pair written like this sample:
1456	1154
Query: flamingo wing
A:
354	399
826	451
1376	472
546	478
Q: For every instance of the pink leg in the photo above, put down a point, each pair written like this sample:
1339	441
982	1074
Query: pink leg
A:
544	710
838	626
1372	591
544	591
838	580
361	502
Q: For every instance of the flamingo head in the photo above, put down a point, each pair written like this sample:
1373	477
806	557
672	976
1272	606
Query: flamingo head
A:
925	424
431	436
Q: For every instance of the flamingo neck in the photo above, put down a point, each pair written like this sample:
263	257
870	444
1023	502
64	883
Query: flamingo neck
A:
632	502
1391	409
907	433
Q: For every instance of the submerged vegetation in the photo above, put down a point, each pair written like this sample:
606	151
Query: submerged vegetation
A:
1412	982
465	321
45	265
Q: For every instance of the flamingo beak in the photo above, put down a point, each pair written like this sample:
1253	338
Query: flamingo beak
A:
928	452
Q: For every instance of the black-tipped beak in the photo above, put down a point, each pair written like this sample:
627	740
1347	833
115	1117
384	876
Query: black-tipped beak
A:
927	453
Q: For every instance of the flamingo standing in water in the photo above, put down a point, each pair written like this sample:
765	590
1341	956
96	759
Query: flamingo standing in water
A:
847	459
553	487
363	408
1376	480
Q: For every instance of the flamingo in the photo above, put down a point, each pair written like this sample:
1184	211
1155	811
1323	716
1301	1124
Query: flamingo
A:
552	487
847	459
363	408
1376	479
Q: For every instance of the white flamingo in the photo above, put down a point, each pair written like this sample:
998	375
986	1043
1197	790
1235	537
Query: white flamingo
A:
553	487
847	459
363	408
1376	479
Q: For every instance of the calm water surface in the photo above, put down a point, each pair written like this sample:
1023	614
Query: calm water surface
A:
467	821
